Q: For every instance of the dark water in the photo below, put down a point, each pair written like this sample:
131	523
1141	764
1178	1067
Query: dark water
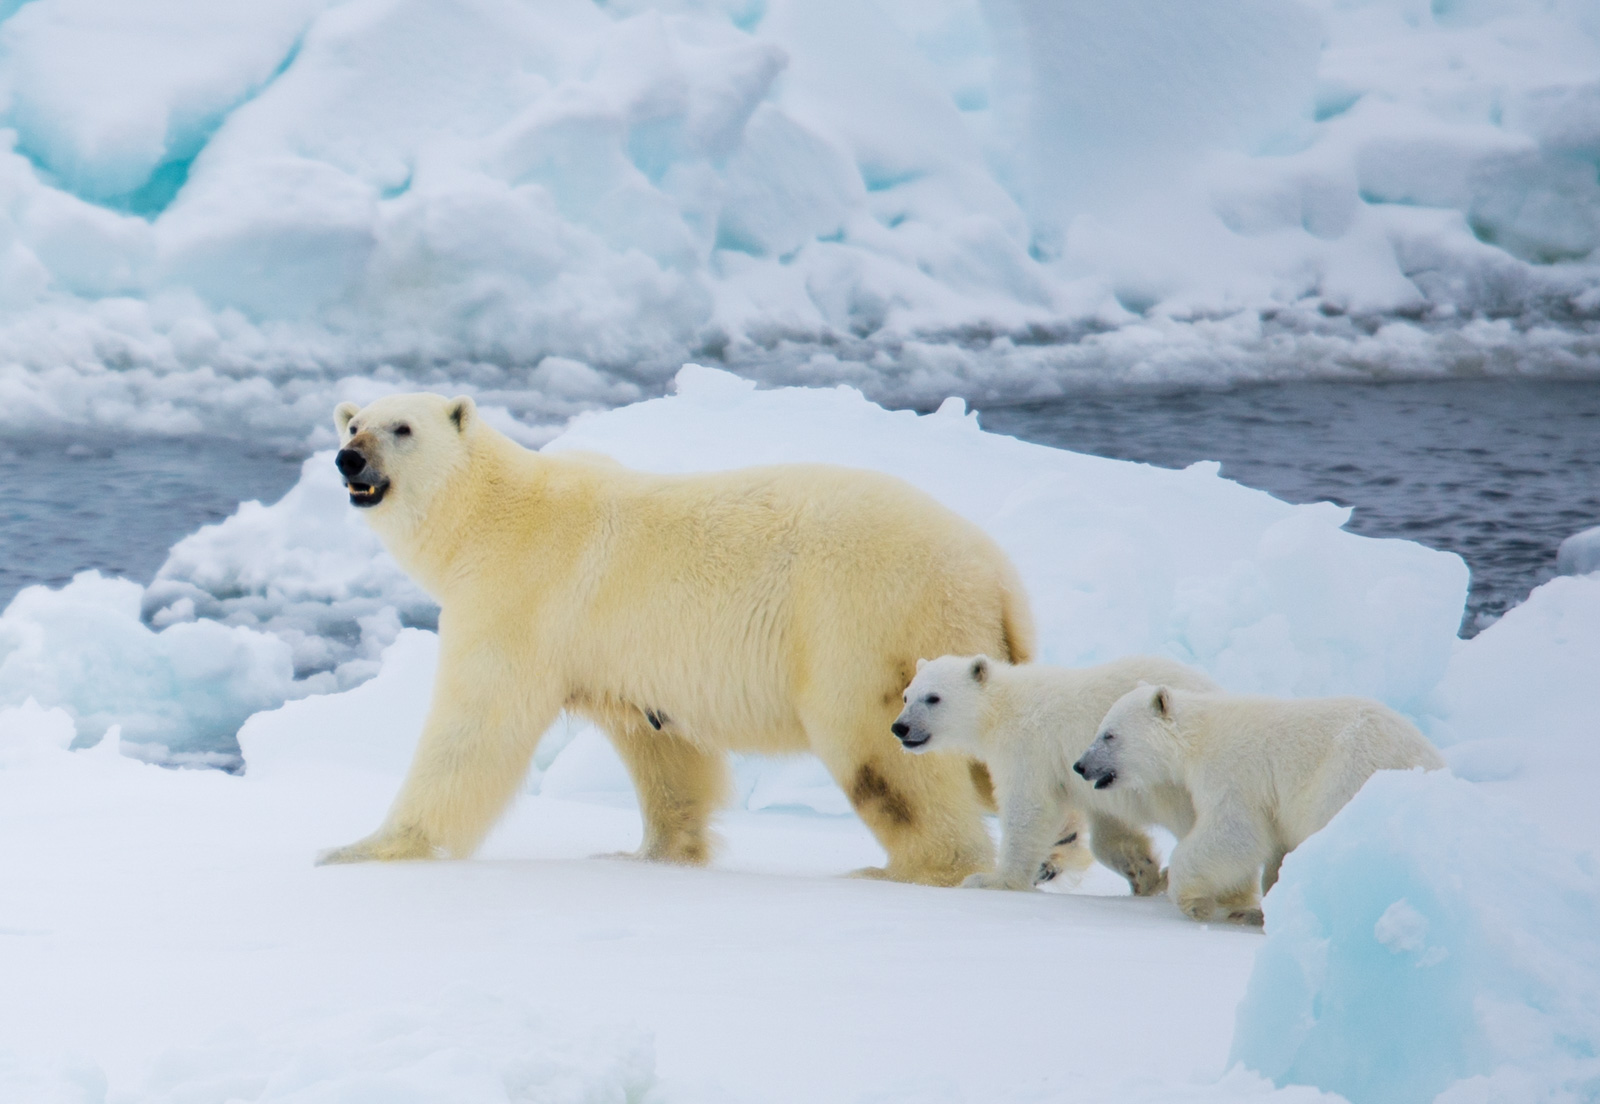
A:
1498	471
119	504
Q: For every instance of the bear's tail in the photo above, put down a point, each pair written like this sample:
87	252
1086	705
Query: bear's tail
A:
1016	619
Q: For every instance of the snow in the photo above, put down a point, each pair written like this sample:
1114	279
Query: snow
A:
165	930
213	218
165	936
1579	554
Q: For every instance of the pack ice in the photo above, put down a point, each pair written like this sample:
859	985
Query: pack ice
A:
235	215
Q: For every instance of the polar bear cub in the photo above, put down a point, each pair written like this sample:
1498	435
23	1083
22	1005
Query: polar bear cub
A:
1028	723
1262	773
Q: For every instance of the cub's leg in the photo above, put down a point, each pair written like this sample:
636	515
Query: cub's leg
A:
1215	868
1070	852
1033	810
1127	850
480	734
925	810
680	787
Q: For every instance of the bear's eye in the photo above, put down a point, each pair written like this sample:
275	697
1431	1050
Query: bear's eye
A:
402	430
1108	737
353	428
932	699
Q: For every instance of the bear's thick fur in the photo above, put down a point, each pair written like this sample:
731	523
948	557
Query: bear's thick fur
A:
1263	774
1028	724
777	609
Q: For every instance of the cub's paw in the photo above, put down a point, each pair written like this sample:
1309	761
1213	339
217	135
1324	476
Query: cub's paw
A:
1147	879
991	881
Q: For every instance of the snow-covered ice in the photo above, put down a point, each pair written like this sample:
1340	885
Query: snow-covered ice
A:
164	936
1430	937
1579	554
220	215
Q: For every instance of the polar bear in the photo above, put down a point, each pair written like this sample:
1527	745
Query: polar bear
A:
1262	773
1028	724
774	609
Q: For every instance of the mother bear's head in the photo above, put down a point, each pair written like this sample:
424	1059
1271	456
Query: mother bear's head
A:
398	453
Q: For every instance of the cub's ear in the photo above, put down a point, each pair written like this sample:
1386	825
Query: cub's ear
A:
921	663
980	669
343	413
462	410
1162	702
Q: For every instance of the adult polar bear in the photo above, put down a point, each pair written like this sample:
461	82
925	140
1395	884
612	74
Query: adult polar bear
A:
776	609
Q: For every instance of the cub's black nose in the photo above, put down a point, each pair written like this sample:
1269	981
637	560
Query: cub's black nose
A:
1079	768
349	462
900	729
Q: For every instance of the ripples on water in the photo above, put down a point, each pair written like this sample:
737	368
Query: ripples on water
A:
1498	471
118	504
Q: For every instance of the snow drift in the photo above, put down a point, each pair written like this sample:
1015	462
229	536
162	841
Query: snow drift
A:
218	216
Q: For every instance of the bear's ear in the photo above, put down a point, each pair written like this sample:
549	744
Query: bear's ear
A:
343	413
921	663
1162	702
462	410
980	669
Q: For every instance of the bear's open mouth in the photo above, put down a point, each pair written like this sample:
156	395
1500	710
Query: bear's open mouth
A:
913	741
1105	780
366	494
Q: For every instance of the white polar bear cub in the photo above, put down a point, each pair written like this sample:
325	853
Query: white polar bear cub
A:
1263	774
1028	723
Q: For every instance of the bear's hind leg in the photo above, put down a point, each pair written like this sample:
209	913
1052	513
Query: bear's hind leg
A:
680	787
923	809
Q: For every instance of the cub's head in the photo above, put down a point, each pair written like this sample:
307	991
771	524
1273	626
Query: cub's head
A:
401	449
1136	744
944	704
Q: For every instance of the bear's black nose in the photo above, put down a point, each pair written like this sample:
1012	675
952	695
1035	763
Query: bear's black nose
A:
1078	766
349	462
900	729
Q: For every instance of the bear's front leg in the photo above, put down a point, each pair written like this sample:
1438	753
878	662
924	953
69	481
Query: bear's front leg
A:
480	735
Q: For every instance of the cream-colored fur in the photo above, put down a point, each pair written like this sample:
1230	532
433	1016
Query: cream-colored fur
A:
1028	724
775	609
1263	774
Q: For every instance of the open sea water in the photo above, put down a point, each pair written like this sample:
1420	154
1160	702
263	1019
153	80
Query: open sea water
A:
1498	471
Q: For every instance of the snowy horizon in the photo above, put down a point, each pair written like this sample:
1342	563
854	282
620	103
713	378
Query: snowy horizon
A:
219	216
